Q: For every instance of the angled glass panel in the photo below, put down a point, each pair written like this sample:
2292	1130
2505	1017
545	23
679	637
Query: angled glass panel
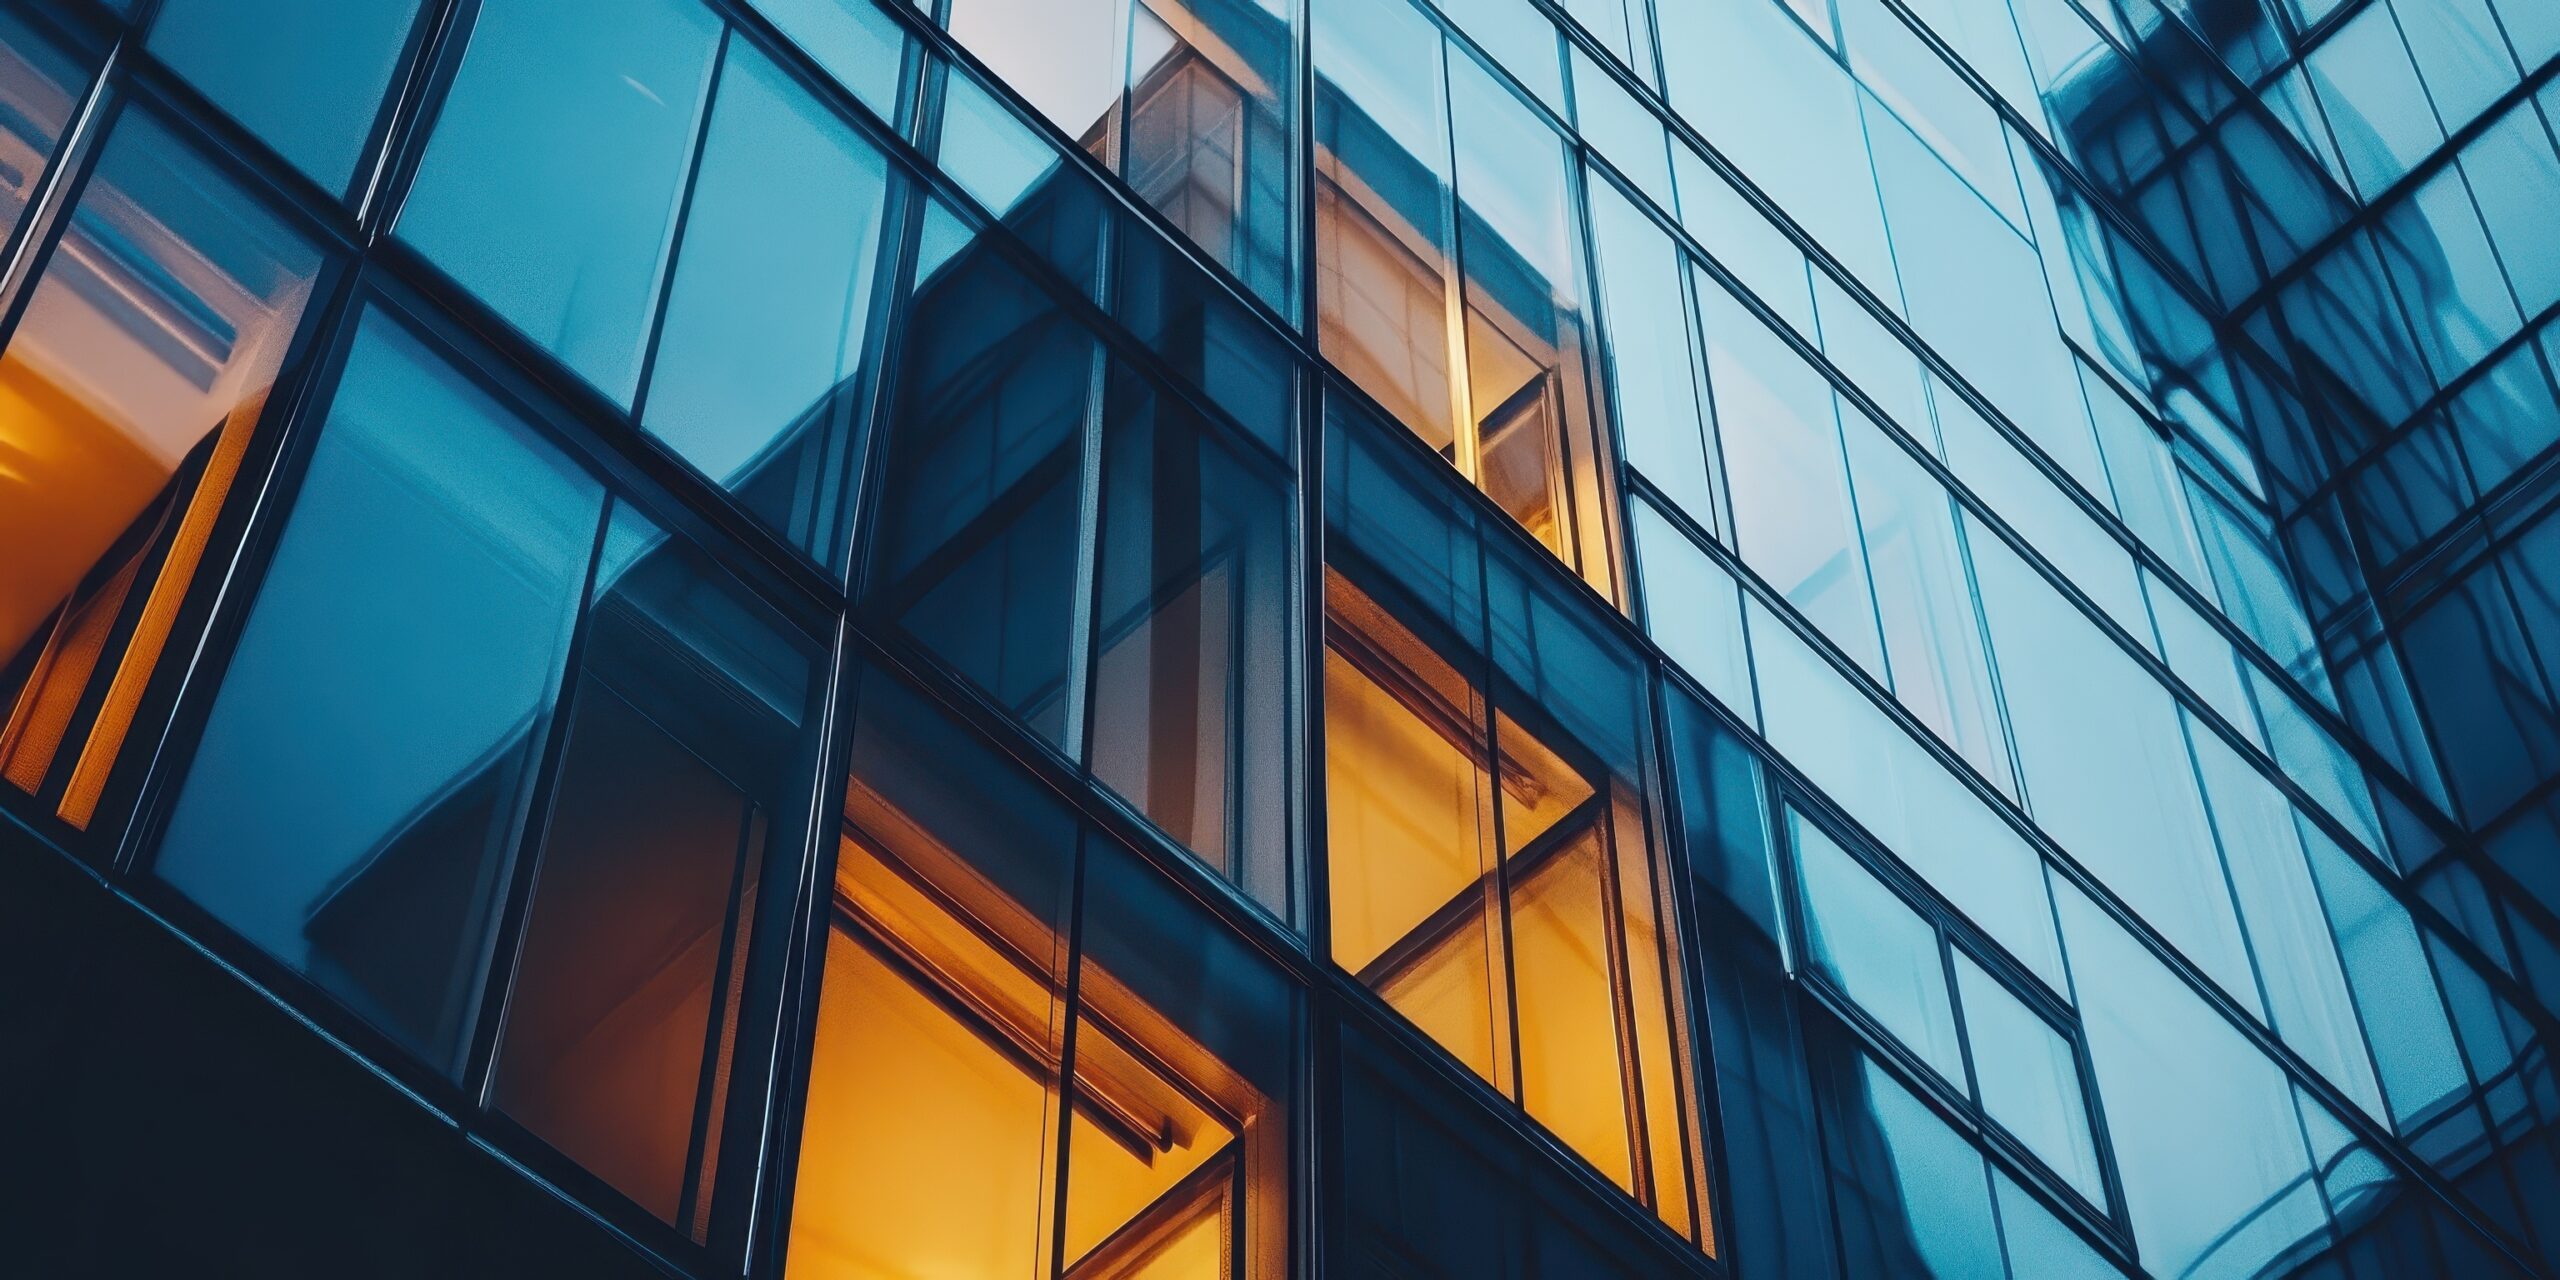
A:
2125	800
2376	106
306	75
1913	1198
428	579
1520	37
855	40
975	549
1901	794
1693	609
1191	701
1623	130
2217	1179
684	783
2037	1243
1520	240
1653	376
1925	595
551	185
1210	99
1384	236
131	398
929	1142
770	312
1188	1047
1864	937
1793	519
2027	1077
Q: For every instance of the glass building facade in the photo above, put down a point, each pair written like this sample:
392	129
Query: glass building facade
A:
1261	638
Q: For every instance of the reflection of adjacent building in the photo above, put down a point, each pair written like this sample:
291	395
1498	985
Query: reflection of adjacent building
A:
2362	490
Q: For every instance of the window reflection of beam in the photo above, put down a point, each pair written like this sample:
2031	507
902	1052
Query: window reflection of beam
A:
945	934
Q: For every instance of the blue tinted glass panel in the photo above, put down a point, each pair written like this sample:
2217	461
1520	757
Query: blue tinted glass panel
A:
2027	1077
1693	609
855	40
306	75
550	187
1792	516
2216	1176
1519	37
1902	794
428	579
1912	1197
2039	1246
2124	800
766	326
1191	677
685	778
2378	108
2515	176
1866	938
975	552
1625	131
1654	381
1924	594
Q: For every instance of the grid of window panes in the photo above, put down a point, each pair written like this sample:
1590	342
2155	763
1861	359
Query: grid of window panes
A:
1184	637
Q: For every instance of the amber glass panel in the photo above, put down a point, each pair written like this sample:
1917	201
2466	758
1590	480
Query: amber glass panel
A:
129	398
1543	969
1409	808
930	1145
929	1142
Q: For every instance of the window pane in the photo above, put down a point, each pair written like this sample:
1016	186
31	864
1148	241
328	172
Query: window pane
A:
1191	693
1693	609
551	185
428	580
1924	592
855	40
755	376
1208	129
2028	1078
1408	802
1902	794
1650	352
306	75
130	397
2216	1177
1383	239
1792	516
685	775
40	86
928	1145
1868	940
1187	1044
1912	1196
1528	400
2124	801
976	553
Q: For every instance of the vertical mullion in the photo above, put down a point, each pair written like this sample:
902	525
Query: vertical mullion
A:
497	987
666	282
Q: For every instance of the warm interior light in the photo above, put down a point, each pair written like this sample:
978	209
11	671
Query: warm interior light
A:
929	1146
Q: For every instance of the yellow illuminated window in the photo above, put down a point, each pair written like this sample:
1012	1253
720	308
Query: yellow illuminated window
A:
930	1140
1542	968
